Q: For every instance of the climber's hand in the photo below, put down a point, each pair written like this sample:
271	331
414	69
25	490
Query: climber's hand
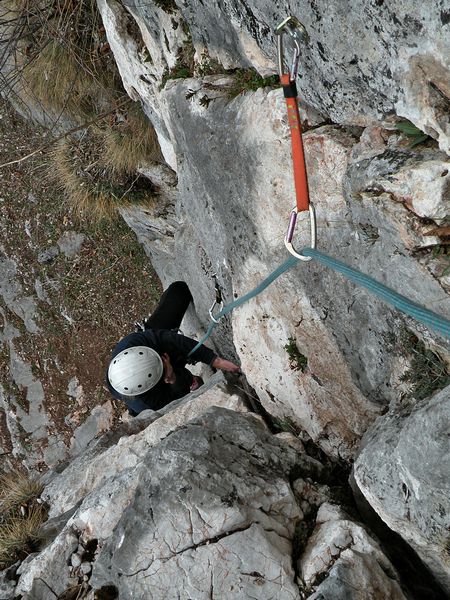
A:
168	372
225	365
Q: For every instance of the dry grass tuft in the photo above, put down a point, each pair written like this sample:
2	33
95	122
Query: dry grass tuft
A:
63	57
90	185
130	143
21	517
55	79
67	66
20	534
17	489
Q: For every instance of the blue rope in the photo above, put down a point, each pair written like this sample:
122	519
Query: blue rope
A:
418	312
402	303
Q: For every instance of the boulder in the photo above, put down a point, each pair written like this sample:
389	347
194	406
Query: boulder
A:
342	561
197	504
213	514
120	450
402	471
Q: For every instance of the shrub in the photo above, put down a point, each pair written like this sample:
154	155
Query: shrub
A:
428	372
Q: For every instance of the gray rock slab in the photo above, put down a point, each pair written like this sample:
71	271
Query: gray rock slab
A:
48	255
12	292
402	470
357	576
97	422
349	560
33	418
212	503
49	570
70	243
55	451
106	457
7	585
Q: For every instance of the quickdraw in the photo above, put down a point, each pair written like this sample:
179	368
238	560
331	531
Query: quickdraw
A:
422	314
296	31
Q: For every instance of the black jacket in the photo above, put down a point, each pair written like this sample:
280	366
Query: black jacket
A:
177	347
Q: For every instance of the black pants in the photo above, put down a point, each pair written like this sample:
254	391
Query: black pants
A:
171	308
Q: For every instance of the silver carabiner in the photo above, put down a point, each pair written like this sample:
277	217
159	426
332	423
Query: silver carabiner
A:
296	30
291	229
213	306
218	300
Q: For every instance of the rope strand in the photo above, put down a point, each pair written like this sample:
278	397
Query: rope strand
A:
402	303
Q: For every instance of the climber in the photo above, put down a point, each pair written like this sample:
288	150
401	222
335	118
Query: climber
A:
147	368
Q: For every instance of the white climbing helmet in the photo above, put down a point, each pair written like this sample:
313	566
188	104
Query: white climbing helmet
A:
135	370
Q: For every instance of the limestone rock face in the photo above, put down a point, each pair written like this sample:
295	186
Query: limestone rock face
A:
120	450
402	471
195	503
398	61
211	498
227	210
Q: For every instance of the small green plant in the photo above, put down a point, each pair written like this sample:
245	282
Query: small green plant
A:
416	135
286	424
210	66
249	80
184	67
21	517
297	361
428	373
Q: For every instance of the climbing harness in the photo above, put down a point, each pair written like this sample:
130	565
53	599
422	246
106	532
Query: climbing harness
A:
429	318
296	31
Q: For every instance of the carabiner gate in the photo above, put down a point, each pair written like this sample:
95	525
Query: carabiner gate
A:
291	229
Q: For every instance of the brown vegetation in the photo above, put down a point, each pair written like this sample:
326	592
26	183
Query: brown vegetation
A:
21	517
65	66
